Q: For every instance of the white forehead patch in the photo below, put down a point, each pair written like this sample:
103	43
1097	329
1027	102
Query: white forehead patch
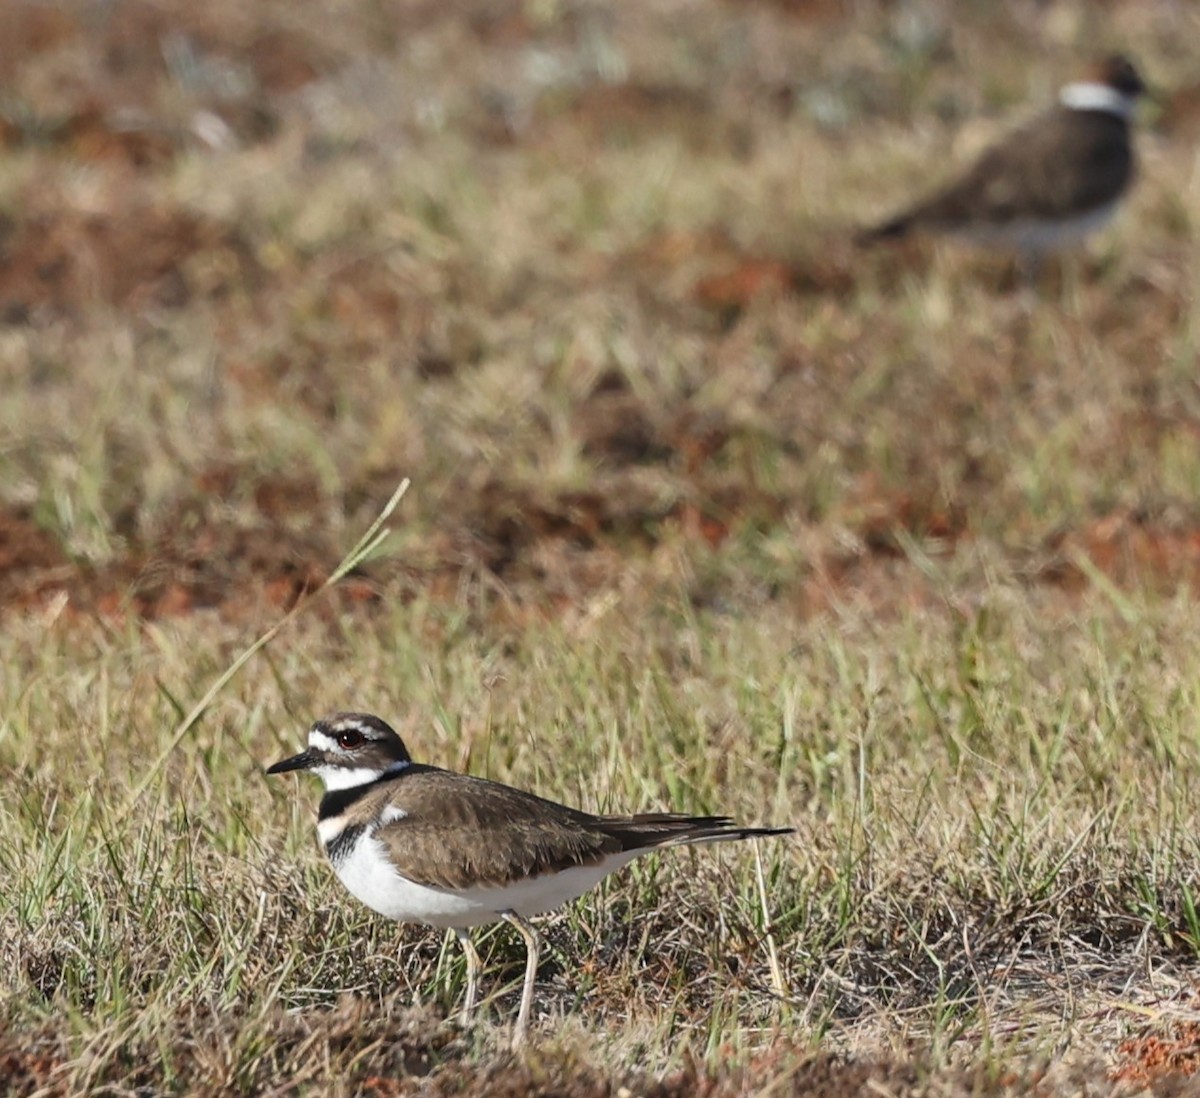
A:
322	742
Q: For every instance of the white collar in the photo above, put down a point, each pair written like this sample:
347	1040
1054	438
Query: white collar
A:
1097	97
337	778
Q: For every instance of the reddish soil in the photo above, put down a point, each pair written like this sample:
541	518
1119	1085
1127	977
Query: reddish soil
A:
1152	1059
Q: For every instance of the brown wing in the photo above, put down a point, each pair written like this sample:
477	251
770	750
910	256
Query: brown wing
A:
461	831
1063	164
449	838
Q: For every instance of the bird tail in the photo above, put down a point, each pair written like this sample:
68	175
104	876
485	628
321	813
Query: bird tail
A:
892	229
671	829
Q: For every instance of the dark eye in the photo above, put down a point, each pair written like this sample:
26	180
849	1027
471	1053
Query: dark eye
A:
350	738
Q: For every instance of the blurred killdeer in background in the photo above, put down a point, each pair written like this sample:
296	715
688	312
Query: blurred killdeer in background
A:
422	844
1050	183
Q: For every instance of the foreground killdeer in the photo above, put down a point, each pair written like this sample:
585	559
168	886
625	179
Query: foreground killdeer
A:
1050	183
421	844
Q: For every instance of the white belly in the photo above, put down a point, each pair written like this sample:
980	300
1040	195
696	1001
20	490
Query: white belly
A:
369	876
1042	237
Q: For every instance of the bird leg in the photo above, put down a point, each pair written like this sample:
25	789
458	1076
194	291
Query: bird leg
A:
1030	264
531	966
473	969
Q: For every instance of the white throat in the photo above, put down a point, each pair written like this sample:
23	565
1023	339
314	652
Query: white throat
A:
337	778
1097	97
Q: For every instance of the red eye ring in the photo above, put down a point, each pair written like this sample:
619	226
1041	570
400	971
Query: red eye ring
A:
350	738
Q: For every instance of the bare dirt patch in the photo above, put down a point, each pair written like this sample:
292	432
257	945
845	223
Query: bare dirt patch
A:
1133	548
31	559
135	254
195	563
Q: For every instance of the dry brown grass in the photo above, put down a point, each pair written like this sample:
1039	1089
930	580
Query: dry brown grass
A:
709	509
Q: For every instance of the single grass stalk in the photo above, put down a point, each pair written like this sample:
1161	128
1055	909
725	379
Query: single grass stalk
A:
778	983
1101	582
374	537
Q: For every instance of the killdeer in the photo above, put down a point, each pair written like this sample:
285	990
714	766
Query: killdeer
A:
1047	185
421	844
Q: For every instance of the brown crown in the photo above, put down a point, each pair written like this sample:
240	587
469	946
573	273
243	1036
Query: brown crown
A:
1120	74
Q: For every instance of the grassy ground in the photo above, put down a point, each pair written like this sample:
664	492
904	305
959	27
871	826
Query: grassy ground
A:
709	511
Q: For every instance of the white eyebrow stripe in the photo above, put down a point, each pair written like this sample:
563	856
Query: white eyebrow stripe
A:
1096	97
